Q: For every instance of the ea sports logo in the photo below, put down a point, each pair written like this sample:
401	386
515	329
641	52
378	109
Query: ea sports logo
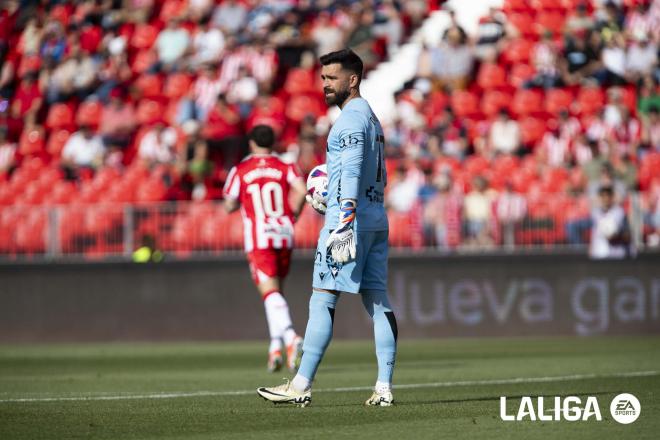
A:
625	408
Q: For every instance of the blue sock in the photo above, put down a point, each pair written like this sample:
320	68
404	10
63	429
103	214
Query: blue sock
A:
318	333
385	332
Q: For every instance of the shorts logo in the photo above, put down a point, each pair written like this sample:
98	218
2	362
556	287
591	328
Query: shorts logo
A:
332	264
625	408
318	258
321	275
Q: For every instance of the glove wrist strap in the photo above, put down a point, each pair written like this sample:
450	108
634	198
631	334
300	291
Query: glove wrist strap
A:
347	208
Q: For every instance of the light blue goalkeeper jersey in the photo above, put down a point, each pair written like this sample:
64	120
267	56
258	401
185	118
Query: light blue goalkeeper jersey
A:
356	167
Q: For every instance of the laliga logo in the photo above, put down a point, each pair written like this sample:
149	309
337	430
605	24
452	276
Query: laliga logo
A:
625	409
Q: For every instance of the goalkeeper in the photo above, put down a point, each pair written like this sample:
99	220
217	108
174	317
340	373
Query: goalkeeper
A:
352	249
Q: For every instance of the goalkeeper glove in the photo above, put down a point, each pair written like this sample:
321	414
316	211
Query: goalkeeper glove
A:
317	203
341	242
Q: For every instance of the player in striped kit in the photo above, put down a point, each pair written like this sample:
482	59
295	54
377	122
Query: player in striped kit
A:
271	194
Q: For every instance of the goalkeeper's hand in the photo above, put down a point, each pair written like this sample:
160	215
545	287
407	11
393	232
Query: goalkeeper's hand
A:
341	242
318	204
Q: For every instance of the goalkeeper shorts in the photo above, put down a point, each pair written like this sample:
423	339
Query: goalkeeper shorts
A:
367	272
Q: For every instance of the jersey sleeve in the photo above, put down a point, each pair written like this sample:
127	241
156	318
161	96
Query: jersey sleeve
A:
232	189
351	140
293	173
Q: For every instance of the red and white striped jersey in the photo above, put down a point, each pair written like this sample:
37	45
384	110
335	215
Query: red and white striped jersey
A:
261	184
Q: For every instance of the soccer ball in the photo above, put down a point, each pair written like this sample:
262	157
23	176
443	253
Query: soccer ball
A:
317	183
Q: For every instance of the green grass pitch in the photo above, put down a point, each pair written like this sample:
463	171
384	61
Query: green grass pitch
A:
184	391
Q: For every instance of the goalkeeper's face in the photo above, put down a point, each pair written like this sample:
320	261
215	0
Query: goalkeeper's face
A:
336	84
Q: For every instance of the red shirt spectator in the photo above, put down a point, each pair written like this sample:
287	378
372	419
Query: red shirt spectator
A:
222	121
28	97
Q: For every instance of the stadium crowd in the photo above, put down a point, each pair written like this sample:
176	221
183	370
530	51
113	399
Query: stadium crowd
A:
138	100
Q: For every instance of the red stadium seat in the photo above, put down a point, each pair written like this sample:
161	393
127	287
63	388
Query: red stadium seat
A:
557	100
56	142
173	9
60	116
89	113
550	20
149	111
493	101
144	36
29	63
143	61
150	86
177	85
32	142
516	5
491	76
523	22
517	51
549	5
302	105
527	102
464	103
520	74
300	81
590	100
531	130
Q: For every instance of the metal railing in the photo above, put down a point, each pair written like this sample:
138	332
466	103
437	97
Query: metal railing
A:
190	229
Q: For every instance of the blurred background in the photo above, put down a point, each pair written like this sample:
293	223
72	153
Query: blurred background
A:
512	127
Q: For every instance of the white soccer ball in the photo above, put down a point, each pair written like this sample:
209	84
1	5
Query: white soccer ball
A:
317	183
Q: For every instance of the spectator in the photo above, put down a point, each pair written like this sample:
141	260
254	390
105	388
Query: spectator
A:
442	213
243	92
580	20
403	190
202	97
511	209
545	58
610	233
83	151
117	121
554	149
648	95
478	211
75	76
490	33
580	59
158	145
613	59
326	35
454	27
504	134
451	63
7	153
199	169
229	16
651	130
641	58
171	44
453	135
28	98
223	132
208	44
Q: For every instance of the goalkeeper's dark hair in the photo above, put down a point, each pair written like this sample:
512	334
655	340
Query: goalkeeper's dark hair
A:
263	136
348	59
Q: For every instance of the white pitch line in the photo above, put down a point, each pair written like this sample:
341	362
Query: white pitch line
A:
175	395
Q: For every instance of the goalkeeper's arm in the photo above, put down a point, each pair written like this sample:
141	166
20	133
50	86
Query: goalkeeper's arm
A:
342	241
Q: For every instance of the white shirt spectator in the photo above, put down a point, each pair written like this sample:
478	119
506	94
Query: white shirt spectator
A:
403	194
614	59
230	16
82	151
243	90
607	225
7	155
511	207
641	58
171	44
505	136
158	146
208	45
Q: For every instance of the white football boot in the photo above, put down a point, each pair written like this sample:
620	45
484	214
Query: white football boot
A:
286	394
383	398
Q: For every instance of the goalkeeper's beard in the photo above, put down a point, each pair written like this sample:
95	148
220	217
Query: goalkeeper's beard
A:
337	98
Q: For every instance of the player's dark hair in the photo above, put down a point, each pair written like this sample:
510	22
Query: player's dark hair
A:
263	136
606	190
348	59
